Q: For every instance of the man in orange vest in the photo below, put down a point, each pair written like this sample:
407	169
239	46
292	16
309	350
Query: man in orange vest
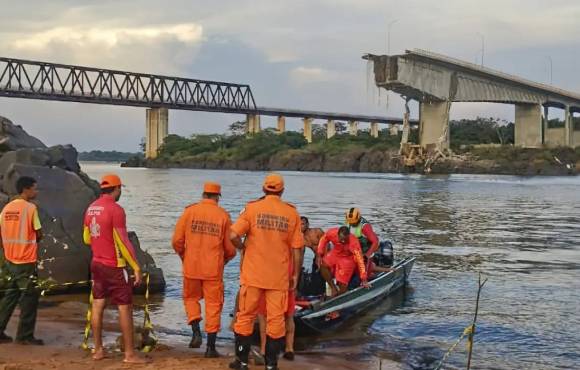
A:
21	232
202	241
105	230
273	239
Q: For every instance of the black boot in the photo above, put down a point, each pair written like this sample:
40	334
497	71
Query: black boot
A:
273	348
195	335
243	345
211	352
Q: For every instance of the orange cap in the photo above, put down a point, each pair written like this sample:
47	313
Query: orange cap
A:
212	188
274	182
110	180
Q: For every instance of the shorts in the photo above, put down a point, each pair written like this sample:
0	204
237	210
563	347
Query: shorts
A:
342	268
290	309
113	283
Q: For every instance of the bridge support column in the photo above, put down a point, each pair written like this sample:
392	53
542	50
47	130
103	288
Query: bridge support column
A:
253	124
393	129
330	129
545	126
569	127
374	129
281	124
353	128
308	129
156	130
434	124
528	127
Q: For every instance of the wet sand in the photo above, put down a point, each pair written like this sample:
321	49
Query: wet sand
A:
61	324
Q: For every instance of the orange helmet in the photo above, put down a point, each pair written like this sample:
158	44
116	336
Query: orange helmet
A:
110	180
353	216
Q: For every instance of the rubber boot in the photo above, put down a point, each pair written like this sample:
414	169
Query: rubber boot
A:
243	345
273	348
195	335
211	351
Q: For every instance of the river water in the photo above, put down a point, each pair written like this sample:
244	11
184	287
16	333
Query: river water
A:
522	233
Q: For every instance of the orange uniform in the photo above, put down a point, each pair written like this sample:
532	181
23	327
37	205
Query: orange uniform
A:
19	222
202	241
272	230
343	258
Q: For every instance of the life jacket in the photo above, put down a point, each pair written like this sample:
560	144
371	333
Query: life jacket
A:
357	231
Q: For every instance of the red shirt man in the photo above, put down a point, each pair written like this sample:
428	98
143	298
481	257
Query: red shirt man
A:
105	230
342	259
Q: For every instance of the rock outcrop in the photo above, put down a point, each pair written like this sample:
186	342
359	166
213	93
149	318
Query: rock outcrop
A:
65	192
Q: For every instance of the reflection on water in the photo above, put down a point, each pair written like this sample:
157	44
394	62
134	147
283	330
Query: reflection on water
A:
522	233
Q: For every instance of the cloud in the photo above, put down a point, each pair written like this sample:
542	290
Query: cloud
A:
109	37
306	75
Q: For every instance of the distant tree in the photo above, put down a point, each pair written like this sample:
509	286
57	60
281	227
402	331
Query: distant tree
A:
555	123
318	132
143	145
480	131
238	128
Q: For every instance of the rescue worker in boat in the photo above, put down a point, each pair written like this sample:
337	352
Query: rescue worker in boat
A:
369	241
363	231
202	241
273	239
341	261
312	236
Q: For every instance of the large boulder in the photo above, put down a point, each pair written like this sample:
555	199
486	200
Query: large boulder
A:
64	194
14	137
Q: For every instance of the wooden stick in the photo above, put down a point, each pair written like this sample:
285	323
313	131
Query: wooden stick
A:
472	334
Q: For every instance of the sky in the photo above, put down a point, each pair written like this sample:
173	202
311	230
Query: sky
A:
302	54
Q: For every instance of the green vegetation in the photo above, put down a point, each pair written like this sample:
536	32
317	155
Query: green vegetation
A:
480	131
107	156
290	150
237	146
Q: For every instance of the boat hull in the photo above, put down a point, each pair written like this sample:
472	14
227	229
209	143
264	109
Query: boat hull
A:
329	315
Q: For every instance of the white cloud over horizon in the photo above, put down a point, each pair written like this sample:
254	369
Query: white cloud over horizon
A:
302	54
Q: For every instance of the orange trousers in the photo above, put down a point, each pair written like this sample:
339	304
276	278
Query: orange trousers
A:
248	303
212	292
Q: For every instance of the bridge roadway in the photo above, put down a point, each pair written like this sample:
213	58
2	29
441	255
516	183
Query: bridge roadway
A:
436	81
61	82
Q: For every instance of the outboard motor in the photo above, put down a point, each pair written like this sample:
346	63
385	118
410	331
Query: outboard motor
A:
385	255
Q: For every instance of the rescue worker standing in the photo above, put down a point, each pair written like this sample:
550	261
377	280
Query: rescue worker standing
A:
273	238
21	232
363	231
202	241
105	230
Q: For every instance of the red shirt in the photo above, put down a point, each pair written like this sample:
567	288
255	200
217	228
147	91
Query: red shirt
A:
105	230
349	250
340	249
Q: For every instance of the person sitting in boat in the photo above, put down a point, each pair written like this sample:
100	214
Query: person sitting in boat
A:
342	259
363	230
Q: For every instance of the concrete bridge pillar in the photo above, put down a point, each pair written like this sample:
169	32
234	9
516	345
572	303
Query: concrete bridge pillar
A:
393	129
434	124
253	124
528	127
156	130
353	128
281	124
568	127
374	129
545	126
308	129
330	129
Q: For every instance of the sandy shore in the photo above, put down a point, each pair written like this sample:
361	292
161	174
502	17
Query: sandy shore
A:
61	324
